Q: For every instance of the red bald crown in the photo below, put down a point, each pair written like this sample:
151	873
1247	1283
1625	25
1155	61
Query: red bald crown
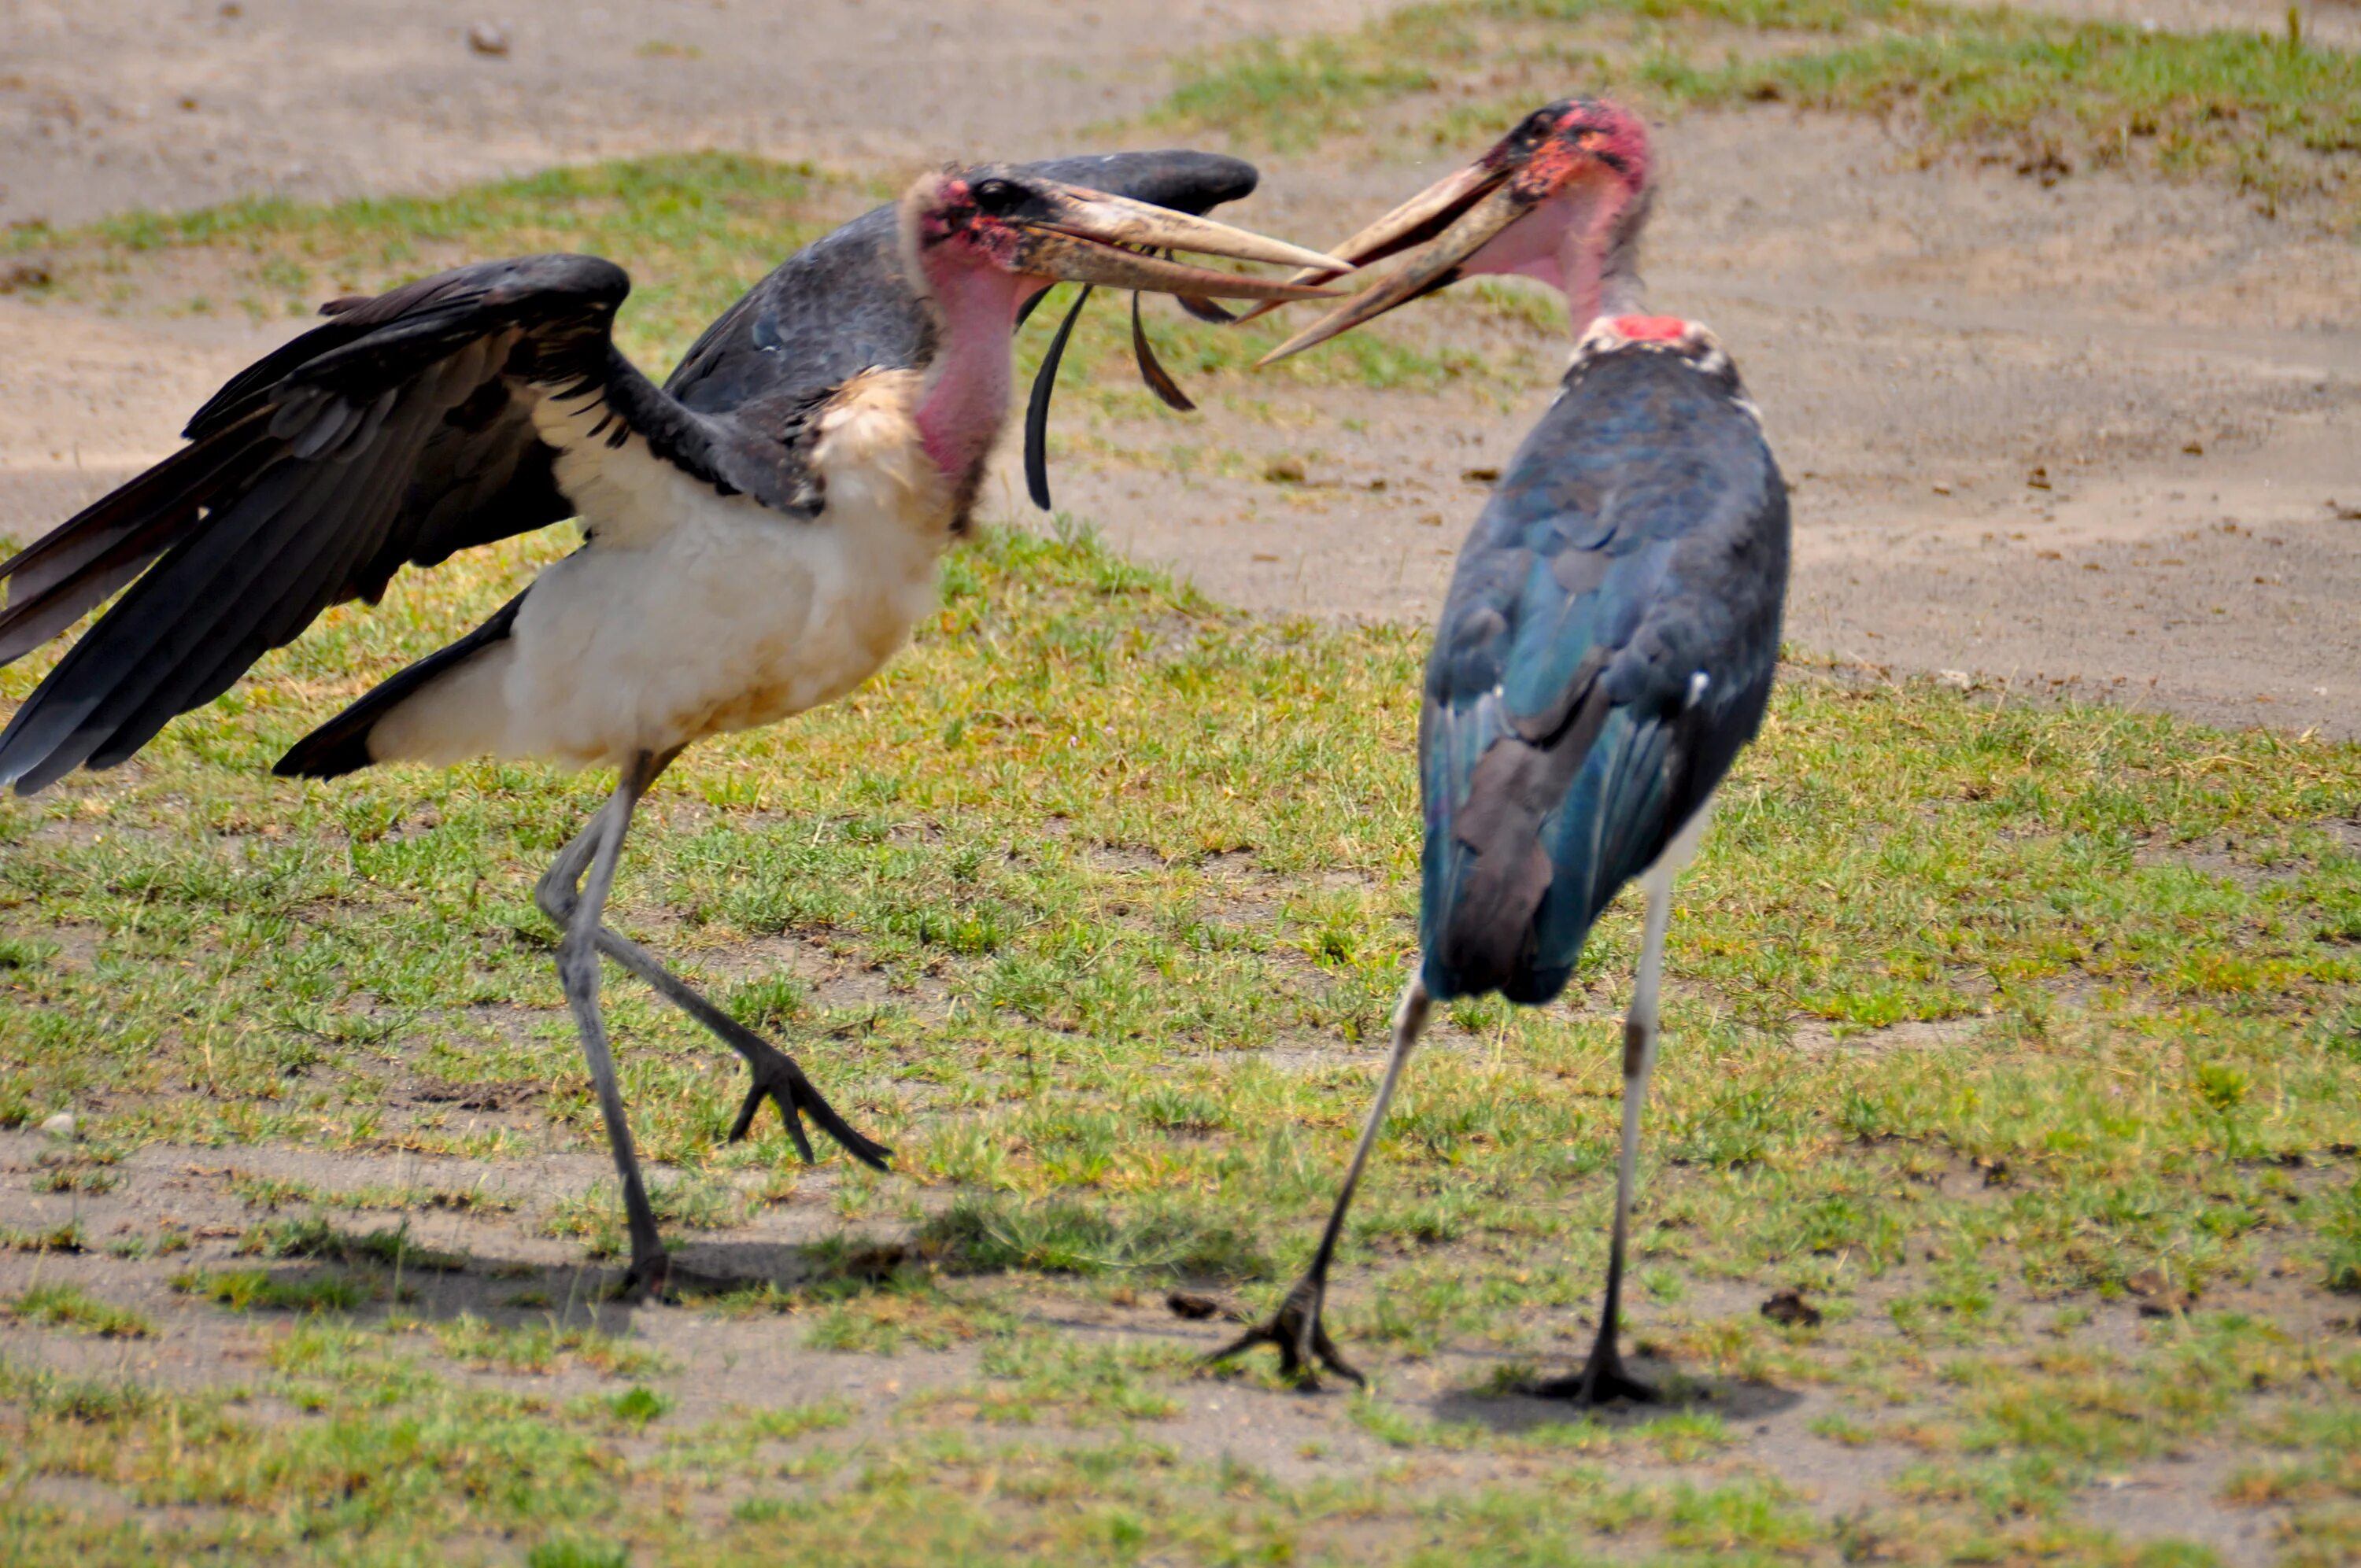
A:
1556	142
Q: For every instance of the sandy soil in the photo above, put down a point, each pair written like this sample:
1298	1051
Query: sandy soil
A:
113	103
2095	436
1922	341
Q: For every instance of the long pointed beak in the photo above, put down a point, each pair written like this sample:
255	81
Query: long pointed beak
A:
1417	220
1430	270
1089	237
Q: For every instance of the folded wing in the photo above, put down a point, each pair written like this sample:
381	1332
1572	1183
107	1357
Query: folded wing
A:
1607	648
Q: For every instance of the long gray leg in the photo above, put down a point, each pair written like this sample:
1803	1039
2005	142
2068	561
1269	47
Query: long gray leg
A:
1603	1378
775	1075
577	974
1304	1345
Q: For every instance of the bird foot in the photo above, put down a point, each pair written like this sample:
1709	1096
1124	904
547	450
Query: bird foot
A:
1602	1382
647	1280
660	1281
778	1079
1302	1342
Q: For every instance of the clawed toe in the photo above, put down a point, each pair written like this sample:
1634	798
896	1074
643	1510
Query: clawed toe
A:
1301	1340
778	1080
646	1280
1602	1382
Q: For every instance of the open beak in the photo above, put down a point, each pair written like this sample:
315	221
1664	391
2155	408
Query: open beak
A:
1089	237
1417	220
1459	216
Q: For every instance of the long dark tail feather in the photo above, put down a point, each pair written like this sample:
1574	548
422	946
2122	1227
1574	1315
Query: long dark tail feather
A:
341	745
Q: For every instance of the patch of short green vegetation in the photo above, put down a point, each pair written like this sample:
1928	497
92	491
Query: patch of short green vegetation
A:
1125	882
694	229
1061	1235
2278	119
2278	116
64	1238
70	1307
390	1248
1033	1377
543	1346
249	1290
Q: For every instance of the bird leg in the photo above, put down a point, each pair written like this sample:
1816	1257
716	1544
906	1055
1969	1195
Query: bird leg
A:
1603	1379
1295	1328
577	974
775	1075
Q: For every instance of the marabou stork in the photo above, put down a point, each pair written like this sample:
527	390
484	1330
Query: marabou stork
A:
1608	639
758	535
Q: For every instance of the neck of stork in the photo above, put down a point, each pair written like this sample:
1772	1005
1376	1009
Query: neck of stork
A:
965	397
1585	243
1602	275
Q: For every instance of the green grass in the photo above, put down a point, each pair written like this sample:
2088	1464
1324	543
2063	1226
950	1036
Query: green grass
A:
542	1347
715	222
2277	118
244	1289
70	1307
1082	1050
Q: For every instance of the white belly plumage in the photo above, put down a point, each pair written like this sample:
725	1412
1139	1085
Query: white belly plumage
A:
692	614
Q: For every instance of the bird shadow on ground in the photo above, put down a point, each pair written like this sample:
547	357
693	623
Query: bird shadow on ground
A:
583	1294
1516	1410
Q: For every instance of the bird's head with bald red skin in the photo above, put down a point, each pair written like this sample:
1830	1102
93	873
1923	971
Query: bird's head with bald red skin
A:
1562	198
980	241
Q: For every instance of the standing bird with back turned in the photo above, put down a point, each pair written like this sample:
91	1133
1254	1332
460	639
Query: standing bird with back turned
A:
1609	641
760	533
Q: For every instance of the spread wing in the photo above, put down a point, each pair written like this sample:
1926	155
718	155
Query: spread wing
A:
1607	647
397	433
403	429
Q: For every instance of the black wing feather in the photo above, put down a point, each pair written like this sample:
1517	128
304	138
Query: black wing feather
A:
341	745
397	432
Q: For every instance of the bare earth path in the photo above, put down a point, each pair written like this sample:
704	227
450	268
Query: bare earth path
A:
1923	340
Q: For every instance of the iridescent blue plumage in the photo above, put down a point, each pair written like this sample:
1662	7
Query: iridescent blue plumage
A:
1607	647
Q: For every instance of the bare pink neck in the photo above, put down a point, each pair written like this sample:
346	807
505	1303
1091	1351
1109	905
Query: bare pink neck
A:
1573	245
966	397
1599	278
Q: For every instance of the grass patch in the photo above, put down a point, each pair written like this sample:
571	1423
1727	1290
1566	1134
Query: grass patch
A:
249	1290
1063	1236
390	1248
544	1347
695	229
1191	839
70	1307
2277	119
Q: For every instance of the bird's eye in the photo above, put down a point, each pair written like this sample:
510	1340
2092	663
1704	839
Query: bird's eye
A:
997	196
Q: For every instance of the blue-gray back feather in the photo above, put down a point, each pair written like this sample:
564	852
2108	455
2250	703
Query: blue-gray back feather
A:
1638	541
